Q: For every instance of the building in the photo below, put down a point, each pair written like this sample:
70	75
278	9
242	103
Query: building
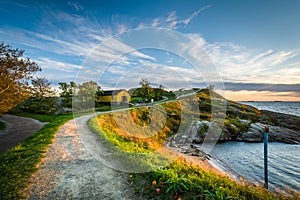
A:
115	97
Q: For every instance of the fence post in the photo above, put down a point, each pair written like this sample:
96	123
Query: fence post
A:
266	131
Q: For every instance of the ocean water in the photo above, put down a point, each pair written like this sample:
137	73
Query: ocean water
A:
292	108
247	158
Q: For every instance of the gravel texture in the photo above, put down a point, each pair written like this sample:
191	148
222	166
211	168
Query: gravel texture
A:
69	171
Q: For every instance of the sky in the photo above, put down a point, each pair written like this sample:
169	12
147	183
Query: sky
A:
250	50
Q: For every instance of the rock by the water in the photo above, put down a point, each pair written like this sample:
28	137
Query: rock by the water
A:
282	120
255	133
279	134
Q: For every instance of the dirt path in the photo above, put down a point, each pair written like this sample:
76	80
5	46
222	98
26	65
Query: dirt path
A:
18	129
69	171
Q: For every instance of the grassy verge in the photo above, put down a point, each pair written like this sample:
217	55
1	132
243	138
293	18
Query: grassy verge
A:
182	180
2	125
19	163
178	180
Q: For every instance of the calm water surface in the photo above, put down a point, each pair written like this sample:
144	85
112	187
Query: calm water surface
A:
292	108
247	158
248	161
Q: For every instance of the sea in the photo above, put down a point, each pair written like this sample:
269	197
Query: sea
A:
247	159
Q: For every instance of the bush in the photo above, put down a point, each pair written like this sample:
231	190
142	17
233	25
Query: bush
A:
2	125
39	106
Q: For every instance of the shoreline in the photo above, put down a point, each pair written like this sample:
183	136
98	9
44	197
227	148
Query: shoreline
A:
213	164
226	170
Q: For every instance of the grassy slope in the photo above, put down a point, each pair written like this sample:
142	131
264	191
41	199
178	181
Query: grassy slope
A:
180	179
19	163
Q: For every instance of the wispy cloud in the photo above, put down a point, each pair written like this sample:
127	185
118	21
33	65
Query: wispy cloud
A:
242	64
195	14
76	6
172	21
155	22
170	76
60	67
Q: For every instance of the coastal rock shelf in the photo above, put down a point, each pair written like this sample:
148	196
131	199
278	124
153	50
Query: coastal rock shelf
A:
276	134
245	123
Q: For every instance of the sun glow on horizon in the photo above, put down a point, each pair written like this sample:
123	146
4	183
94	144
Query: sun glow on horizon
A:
246	95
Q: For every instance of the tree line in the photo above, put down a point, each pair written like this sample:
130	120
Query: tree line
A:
19	86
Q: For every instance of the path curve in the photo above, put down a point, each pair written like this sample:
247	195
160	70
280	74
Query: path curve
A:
69	171
17	130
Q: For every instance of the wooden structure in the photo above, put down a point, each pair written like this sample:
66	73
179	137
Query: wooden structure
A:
115	97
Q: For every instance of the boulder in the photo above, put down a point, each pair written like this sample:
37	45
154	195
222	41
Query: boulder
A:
254	134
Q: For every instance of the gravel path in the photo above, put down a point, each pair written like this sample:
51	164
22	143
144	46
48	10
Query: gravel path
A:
69	171
17	130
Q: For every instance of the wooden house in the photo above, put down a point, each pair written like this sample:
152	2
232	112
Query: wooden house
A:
115	97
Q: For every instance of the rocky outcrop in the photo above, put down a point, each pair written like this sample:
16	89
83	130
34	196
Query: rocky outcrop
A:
280	134
242	123
255	133
283	128
279	119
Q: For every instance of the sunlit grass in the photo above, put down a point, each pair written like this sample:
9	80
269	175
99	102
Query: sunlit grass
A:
182	180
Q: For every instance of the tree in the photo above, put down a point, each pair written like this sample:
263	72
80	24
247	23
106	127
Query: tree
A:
68	91
87	94
15	72
41	88
43	94
42	97
158	92
146	91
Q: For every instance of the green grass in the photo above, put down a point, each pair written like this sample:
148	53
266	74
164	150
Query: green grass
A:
186	181
19	163
135	99
40	117
2	125
103	108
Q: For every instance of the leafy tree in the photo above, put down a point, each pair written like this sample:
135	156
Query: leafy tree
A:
42	97
15	72
146	91
68	91
158	92
87	94
41	88
43	94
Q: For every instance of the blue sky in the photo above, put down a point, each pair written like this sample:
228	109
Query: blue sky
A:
254	45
